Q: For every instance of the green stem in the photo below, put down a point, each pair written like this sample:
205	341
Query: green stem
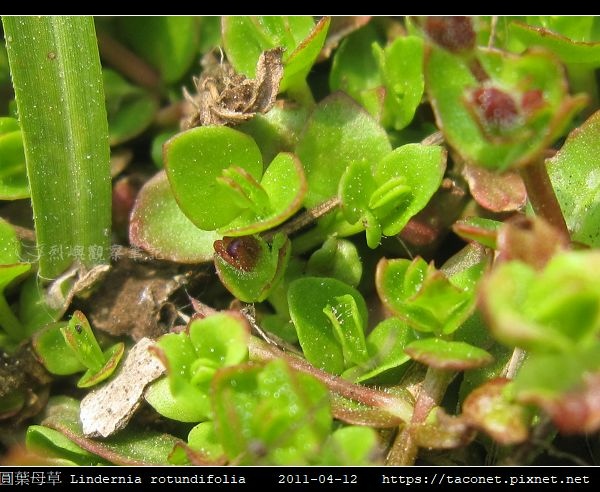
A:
405	449
12	326
542	197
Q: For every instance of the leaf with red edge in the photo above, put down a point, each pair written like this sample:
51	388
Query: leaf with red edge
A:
496	192
442	354
158	225
488	409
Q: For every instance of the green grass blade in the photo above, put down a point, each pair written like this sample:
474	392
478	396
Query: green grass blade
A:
57	79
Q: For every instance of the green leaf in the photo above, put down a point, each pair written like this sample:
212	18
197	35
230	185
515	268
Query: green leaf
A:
401	67
168	43
484	231
48	442
442	354
336	258
52	349
338	133
386	345
249	267
158	225
34	312
270	415
521	140
567	50
307	298
350	446
553	310
550	376
277	130
576	178
245	38
348	327
285	186
176	397
10	247
195	158
131	446
13	174
221	338
422	167
203	439
422	296
355	68
130	109
79	336
112	356
65	135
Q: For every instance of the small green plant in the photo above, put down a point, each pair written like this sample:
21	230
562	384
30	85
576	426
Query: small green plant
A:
335	241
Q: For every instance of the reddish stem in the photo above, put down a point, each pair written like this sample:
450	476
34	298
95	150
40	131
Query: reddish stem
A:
542	197
127	62
404	450
261	351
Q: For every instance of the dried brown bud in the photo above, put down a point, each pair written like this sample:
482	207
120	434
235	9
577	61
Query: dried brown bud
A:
456	34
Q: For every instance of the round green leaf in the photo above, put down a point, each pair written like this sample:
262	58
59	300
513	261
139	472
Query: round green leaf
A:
158	225
285	185
58	357
203	439
307	297
195	159
222	338
422	167
338	133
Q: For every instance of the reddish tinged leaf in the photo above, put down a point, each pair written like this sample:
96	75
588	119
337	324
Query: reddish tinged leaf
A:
576	412
496	192
445	432
488	410
529	239
456	34
445	355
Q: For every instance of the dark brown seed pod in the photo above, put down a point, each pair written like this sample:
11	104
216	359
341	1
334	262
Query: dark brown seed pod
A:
240	252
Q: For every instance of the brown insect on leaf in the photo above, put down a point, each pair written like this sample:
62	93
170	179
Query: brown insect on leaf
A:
225	97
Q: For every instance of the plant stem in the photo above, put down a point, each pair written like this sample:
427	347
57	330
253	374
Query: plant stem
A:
404	450
542	197
127	62
263	352
304	219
